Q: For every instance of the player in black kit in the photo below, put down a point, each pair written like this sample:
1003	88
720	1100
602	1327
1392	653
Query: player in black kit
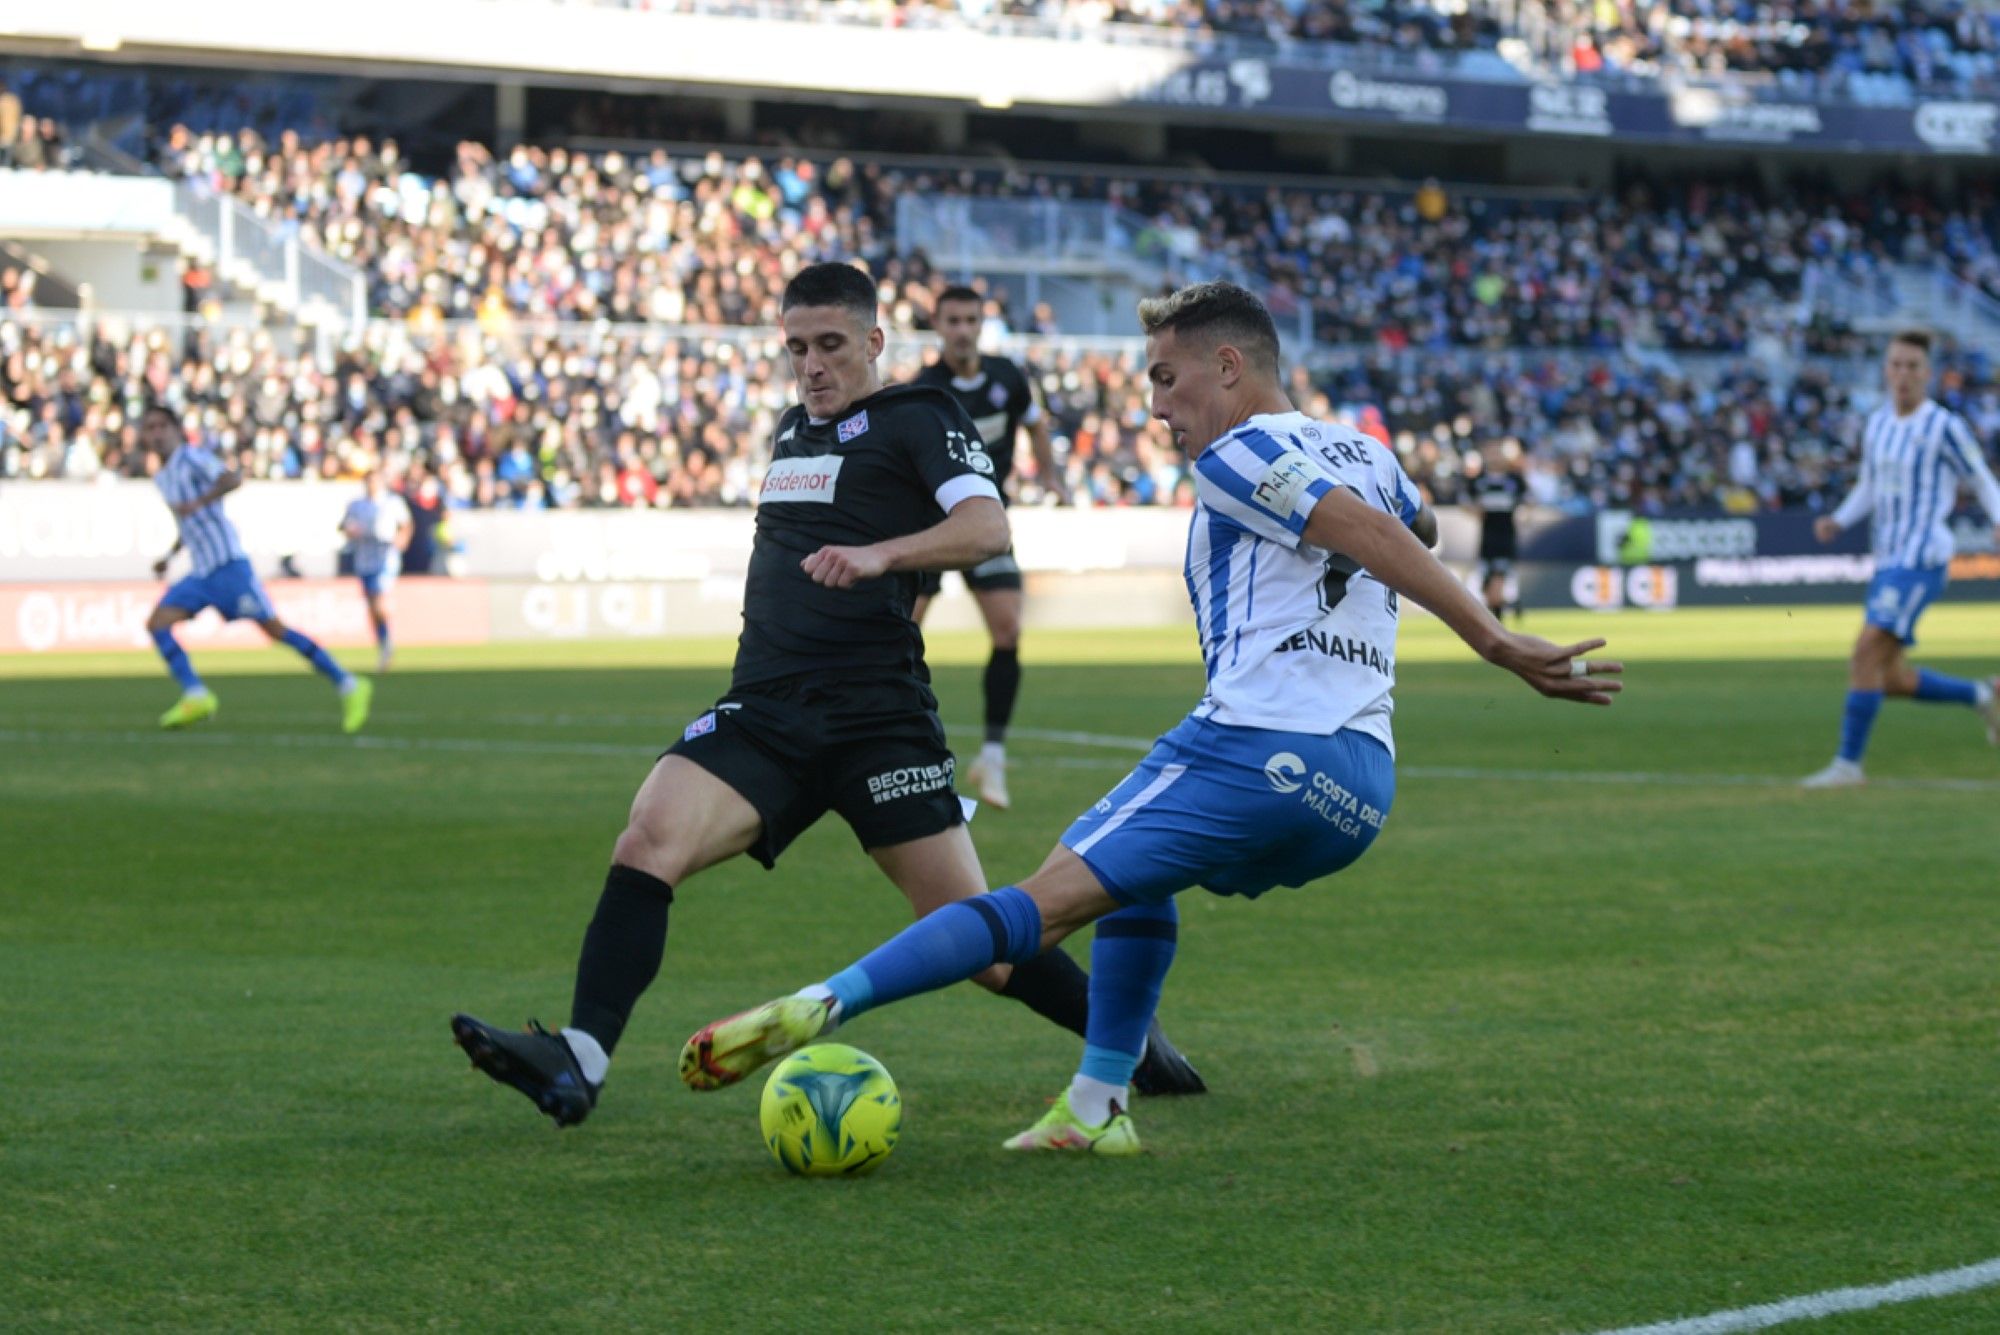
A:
829	707
1496	491
999	399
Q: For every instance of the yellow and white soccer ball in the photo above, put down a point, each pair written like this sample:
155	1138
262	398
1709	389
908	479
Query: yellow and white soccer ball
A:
830	1111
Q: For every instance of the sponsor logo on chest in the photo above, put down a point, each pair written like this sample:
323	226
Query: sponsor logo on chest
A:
808	479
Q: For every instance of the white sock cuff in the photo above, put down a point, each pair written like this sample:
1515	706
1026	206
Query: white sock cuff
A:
590	1055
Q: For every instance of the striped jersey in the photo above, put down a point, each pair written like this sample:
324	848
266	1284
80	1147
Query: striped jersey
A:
375	551
207	534
1910	470
1295	638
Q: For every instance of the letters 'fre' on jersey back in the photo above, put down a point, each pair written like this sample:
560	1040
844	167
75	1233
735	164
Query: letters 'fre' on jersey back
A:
1910	470
1295	638
207	534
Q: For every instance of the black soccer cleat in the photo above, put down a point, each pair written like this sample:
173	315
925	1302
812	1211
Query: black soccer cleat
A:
534	1061
1162	1069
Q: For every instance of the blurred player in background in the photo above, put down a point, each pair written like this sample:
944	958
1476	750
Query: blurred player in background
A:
194	480
1001	401
1494	487
377	526
1914	454
829	706
1304	534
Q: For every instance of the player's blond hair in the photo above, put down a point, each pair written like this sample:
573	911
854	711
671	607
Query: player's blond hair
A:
1219	313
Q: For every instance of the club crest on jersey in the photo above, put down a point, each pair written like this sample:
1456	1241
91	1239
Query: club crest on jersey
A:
701	727
854	426
808	479
1278	490
997	395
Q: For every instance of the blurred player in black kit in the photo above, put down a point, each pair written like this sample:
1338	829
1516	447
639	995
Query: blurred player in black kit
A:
1000	399
1494	487
829	706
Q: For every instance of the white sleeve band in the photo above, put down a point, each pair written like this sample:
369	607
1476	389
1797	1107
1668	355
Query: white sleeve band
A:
965	487
1033	415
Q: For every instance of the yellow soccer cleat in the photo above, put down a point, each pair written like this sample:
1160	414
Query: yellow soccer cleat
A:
192	708
1060	1129
724	1052
354	705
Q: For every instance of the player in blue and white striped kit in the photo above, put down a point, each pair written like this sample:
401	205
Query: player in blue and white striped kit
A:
1914	455
1299	549
377	526
194	480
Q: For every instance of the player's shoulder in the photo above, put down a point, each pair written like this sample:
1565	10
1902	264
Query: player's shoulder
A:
935	374
911	407
1004	369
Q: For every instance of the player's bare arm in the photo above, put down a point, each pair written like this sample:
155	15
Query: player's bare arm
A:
1046	467
1425	527
975	530
1345	523
160	566
223	485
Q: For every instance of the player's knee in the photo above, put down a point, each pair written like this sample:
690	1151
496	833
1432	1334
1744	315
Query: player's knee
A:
645	850
273	628
994	978
162	617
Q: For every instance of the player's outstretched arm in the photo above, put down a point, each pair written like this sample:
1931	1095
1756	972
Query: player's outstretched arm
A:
160	566
1344	523
975	530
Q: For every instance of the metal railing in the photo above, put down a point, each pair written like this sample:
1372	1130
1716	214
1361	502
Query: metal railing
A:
273	259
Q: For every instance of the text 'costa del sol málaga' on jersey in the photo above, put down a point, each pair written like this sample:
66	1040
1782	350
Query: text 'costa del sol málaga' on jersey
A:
1295	638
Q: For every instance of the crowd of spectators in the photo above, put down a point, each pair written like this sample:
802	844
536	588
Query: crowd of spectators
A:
1866	48
623	419
710	239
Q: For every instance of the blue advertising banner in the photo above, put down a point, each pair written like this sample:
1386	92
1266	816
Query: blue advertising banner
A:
1286	89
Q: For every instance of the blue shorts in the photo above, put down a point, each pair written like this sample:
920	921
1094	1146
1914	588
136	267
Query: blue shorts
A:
232	590
1236	811
377	584
1898	595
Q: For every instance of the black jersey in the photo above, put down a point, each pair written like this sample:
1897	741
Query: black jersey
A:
891	465
1498	495
998	400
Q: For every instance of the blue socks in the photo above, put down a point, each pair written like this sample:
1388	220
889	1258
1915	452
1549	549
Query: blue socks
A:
947	947
382	634
1936	688
321	660
1129	960
1862	707
177	660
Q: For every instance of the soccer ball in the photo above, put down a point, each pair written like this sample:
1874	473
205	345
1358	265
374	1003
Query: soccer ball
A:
830	1111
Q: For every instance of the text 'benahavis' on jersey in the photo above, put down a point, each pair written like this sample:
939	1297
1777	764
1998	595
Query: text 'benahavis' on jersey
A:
999	401
1295	638
893	464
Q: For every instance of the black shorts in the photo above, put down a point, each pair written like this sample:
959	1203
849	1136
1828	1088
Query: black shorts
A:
999	572
871	749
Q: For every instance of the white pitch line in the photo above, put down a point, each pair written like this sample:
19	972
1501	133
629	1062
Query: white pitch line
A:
1815	1306
1132	745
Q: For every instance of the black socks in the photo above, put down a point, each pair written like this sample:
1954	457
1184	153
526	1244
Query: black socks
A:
621	953
1003	684
1053	986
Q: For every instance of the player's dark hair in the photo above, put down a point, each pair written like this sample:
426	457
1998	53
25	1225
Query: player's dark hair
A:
833	284
156	406
1920	339
960	292
1221	313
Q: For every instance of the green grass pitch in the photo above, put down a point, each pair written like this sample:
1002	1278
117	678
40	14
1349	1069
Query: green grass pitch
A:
1612	1026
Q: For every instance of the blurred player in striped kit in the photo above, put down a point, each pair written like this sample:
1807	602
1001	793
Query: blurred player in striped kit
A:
194	480
1914	455
377	527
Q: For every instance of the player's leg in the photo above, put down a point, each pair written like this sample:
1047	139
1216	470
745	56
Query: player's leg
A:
375	590
999	595
1011	925
1925	685
682	820
357	694
943	869
1493	578
197	702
